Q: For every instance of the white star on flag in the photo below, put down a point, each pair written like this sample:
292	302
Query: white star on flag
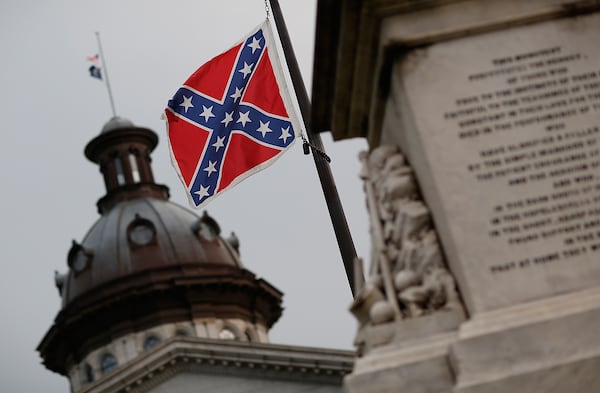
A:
246	70
219	143
285	134
207	112
255	44
264	128
237	94
244	118
187	103
210	168
228	118
203	191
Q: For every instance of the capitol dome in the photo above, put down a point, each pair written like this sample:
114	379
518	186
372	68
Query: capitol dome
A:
148	263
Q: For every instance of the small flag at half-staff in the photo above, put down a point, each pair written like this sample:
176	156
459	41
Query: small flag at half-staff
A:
96	67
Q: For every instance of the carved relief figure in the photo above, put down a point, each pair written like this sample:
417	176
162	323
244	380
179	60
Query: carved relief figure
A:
407	277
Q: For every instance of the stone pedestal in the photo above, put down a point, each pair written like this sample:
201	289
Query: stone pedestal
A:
415	359
549	345
545	346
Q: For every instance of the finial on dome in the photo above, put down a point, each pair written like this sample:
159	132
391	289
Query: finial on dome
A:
115	123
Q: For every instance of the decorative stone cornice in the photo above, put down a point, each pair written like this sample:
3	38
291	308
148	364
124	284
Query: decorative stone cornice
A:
190	354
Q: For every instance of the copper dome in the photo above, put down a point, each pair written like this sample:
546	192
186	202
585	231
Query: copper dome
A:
141	235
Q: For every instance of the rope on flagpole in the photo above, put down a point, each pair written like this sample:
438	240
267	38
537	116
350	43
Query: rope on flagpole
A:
306	146
103	62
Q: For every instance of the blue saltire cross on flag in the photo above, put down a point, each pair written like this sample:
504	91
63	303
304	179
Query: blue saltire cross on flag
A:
232	118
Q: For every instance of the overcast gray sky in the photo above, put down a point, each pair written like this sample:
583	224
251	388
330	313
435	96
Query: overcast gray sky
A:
51	108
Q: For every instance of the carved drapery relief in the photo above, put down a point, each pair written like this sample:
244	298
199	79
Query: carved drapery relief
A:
408	276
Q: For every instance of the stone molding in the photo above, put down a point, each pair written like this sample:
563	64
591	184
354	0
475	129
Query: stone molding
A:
538	311
188	354
535	346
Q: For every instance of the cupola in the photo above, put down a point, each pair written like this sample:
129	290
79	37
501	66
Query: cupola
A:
122	151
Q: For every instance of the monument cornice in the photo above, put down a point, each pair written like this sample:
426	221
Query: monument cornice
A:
357	41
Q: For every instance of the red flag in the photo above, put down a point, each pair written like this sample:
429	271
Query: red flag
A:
232	118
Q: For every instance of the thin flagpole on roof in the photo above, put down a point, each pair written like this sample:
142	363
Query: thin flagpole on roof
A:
104	66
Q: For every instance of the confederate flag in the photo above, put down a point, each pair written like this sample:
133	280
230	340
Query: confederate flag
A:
231	118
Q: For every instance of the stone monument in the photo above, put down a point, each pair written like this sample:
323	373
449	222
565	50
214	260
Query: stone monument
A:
483	120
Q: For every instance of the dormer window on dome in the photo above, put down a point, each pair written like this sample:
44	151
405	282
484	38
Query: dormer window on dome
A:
78	257
141	231
207	227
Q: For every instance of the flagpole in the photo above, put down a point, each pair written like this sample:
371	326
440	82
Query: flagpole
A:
336	212
104	66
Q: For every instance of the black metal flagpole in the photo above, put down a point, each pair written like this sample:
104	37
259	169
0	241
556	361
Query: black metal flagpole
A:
336	212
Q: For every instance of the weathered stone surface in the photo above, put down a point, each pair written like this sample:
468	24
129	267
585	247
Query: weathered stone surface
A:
406	332
502	130
418	368
549	345
579	376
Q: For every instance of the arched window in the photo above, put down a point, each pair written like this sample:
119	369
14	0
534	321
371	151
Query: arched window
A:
119	170
89	373
135	172
150	342
108	363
